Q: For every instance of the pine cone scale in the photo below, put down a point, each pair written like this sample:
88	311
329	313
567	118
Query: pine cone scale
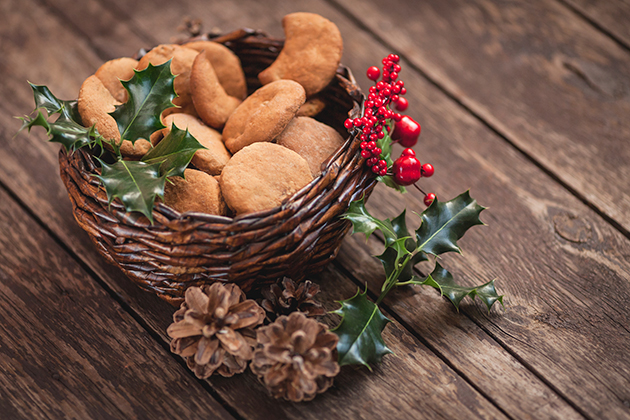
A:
205	350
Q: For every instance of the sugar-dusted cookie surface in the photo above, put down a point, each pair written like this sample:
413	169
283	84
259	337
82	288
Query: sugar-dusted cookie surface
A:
181	65
210	160
226	65
212	103
198	192
94	104
261	176
263	115
112	72
311	139
311	53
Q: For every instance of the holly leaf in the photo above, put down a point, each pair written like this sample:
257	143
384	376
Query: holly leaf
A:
64	131
443	224
174	152
44	98
442	280
359	332
150	92
364	222
137	184
385	144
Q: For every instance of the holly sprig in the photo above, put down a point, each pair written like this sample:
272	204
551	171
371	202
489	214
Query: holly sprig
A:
442	223
136	183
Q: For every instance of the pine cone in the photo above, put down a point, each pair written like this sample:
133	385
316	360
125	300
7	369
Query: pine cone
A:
296	357
279	302
214	329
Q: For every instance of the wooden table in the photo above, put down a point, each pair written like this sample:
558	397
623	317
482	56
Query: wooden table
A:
527	103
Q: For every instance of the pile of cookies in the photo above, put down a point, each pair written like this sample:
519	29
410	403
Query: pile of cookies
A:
260	149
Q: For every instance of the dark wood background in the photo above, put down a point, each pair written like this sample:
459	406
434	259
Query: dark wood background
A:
527	103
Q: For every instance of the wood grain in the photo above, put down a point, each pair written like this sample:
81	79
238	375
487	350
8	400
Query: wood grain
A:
456	397
544	78
611	16
68	350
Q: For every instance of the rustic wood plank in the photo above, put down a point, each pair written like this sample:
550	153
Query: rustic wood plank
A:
549	82
610	16
67	348
533	212
21	171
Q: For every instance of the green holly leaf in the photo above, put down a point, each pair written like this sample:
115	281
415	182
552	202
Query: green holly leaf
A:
442	280
363	221
443	224
385	144
150	92
44	98
359	332
137	184
174	152
64	131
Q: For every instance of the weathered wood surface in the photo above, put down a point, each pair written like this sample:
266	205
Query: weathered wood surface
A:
542	77
68	350
531	227
610	16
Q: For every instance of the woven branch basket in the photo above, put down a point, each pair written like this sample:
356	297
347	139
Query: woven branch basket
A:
190	249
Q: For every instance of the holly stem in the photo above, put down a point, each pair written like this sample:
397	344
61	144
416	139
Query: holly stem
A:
419	189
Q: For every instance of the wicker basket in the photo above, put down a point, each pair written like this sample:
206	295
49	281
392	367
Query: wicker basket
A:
181	250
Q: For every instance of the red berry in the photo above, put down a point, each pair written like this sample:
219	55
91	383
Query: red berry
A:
373	136
383	172
397	68
408	152
427	169
376	169
406	170
348	123
402	104
366	154
373	89
357	122
372	161
429	198
406	131
396	89
403	90
386	92
380	135
371	145
363	145
373	73
400	83
393	75
376	151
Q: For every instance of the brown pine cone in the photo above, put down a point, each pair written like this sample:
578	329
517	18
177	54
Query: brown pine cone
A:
282	301
296	357
214	329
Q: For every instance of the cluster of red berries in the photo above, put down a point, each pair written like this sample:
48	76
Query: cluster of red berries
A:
407	169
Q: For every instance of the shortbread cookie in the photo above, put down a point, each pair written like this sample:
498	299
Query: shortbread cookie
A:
199	192
213	105
210	160
263	115
113	71
94	104
261	176
311	139
311	107
226	65
181	64
311	53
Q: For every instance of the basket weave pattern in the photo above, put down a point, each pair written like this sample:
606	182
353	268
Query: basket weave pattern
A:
182	250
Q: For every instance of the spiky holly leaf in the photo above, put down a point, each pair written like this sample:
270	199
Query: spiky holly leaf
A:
174	152
67	129
359	332
443	224
44	98
137	184
363	221
442	280
150	92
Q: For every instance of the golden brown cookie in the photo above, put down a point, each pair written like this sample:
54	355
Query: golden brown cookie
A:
311	53
198	192
311	107
261	176
113	71
263	115
312	140
213	105
181	65
210	160
226	65
94	103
